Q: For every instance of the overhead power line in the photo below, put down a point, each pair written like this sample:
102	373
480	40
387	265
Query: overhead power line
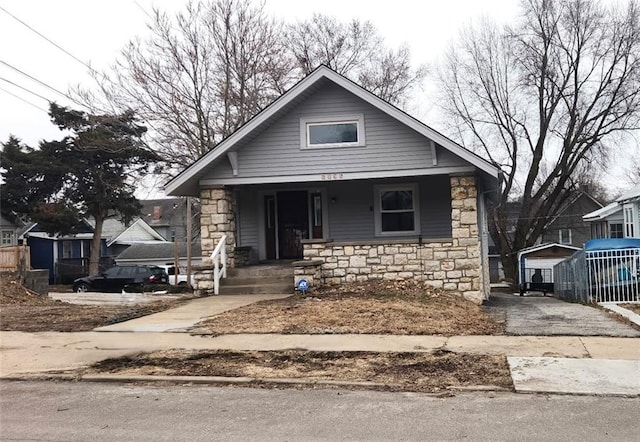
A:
47	39
25	89
22	99
143	10
41	83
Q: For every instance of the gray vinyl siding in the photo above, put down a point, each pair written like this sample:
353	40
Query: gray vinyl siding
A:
248	216
351	217
390	145
435	207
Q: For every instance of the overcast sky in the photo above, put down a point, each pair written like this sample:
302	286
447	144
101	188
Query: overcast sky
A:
94	32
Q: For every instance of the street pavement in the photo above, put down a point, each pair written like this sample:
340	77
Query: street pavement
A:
538	363
86	411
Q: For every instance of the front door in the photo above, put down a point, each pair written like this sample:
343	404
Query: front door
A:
292	223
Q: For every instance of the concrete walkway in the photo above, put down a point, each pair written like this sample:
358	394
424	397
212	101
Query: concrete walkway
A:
555	364
181	318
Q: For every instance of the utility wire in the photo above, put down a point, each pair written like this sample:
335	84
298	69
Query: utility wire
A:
25	89
22	99
48	40
143	10
41	82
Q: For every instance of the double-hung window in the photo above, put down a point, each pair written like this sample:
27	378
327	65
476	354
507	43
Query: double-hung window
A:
616	230
564	236
335	131
396	210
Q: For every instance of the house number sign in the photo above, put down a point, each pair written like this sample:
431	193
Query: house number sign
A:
332	176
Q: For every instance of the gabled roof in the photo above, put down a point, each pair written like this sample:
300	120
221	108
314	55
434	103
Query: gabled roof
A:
187	181
138	231
537	248
570	203
113	230
603	213
83	230
632	194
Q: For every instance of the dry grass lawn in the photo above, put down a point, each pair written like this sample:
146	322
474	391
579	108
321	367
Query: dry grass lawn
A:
23	310
381	307
421	372
635	308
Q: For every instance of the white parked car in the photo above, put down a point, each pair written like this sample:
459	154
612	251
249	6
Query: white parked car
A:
182	275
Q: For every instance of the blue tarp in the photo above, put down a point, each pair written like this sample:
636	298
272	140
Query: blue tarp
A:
612	244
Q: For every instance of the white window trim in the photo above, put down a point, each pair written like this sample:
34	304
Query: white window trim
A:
377	208
631	222
305	122
560	236
610	227
7	235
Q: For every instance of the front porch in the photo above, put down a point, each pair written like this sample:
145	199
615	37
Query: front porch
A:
340	231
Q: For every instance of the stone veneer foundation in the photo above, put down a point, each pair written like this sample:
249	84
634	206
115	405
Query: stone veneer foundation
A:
450	264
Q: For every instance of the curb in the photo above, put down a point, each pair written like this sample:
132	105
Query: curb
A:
229	380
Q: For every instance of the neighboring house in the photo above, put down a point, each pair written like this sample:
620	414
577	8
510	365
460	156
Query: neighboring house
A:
334	175
568	226
67	256
120	237
9	232
51	252
619	219
168	217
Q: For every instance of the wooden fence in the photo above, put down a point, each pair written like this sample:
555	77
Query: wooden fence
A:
14	259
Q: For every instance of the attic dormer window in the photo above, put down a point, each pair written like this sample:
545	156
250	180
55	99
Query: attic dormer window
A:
334	131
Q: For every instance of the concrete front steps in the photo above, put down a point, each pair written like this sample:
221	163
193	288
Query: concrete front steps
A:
258	279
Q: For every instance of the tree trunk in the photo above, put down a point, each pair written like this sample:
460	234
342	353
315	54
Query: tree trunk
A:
96	243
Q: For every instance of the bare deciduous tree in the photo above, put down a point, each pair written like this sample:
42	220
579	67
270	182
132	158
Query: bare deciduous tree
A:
199	75
356	50
204	72
543	98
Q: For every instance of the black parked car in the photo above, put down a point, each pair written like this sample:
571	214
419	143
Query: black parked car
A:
120	278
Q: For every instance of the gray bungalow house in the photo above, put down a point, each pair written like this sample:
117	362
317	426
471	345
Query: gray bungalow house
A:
353	188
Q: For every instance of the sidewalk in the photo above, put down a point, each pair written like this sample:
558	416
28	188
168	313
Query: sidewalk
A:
554	364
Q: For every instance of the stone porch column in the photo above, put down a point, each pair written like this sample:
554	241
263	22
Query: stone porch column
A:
464	228
217	217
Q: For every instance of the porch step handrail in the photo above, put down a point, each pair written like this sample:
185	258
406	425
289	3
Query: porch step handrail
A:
219	259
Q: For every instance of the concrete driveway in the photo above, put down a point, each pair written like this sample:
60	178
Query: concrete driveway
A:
548	316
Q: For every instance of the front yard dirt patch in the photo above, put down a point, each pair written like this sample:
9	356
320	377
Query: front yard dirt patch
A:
23	310
423	372
635	308
380	307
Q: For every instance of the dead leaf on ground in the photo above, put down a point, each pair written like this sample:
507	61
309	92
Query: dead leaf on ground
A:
376	307
420	371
